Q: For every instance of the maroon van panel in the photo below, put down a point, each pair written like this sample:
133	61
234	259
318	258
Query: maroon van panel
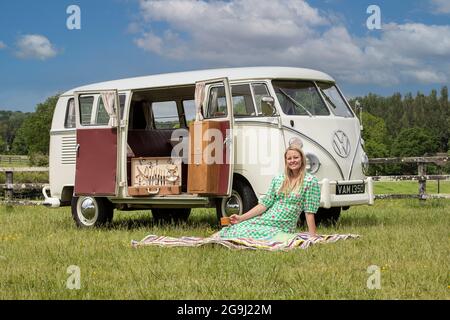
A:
96	162
224	170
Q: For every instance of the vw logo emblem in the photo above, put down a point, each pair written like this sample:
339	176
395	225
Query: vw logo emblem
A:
341	144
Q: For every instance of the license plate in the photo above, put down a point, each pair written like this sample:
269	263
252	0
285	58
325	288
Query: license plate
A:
350	188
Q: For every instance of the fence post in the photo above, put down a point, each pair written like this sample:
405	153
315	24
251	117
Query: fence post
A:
9	186
422	180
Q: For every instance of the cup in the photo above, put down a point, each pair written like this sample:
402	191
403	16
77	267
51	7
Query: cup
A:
225	221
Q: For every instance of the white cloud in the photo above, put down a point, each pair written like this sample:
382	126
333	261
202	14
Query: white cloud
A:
150	42
2	45
440	6
35	46
291	32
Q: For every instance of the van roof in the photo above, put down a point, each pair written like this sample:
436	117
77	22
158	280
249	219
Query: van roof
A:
190	77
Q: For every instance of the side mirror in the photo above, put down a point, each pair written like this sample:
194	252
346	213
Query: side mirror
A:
268	106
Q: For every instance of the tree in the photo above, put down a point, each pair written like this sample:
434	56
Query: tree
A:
2	145
375	138
412	142
10	122
34	134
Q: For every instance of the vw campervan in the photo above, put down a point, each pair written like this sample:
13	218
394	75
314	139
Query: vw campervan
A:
210	138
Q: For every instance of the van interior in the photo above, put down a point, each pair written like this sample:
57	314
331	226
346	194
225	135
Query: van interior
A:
154	116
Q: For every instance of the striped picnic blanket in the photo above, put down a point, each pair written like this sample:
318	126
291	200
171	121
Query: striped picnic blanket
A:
300	240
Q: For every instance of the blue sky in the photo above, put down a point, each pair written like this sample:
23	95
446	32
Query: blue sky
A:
40	56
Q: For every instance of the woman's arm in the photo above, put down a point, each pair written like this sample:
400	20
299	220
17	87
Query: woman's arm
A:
311	221
255	211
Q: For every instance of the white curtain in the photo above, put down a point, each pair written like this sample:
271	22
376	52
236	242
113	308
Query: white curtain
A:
108	98
199	97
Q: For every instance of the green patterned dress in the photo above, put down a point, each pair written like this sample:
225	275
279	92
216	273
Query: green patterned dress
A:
279	221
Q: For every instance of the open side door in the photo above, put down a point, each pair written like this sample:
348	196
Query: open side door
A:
211	140
97	114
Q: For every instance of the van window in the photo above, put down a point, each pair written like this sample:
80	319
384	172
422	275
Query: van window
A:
243	105
299	98
189	111
259	91
69	121
217	103
334	100
242	100
86	104
102	117
165	115
122	98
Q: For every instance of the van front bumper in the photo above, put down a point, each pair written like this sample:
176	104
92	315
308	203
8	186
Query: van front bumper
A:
329	198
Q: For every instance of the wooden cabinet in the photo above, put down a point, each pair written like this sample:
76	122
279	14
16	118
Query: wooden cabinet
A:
204	151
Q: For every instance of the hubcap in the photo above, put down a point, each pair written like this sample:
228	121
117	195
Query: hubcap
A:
87	210
232	205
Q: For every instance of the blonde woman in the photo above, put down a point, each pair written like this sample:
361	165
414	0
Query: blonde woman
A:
275	216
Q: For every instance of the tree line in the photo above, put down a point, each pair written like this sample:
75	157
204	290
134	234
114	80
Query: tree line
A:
393	126
28	133
404	126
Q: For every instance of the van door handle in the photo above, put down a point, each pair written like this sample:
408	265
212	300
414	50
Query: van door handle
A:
77	148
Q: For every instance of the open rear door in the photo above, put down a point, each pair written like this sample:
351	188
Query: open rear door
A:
97	140
214	124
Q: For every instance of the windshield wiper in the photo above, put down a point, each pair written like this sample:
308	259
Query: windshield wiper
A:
298	104
327	98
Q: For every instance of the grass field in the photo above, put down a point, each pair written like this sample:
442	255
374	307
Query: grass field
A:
410	187
407	239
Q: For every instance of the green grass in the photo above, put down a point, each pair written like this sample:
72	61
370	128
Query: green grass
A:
410	187
407	239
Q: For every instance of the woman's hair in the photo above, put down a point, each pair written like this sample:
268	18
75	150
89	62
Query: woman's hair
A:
287	187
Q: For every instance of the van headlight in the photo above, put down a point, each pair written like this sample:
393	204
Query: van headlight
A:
312	163
365	163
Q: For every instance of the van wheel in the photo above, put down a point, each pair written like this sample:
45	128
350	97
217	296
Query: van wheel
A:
91	212
170	215
324	217
242	199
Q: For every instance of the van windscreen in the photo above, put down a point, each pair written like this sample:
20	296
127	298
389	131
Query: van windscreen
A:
334	99
299	98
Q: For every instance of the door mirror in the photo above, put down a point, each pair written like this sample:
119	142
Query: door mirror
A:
268	106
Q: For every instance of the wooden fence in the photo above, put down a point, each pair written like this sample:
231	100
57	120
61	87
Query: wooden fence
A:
9	185
13	159
421	176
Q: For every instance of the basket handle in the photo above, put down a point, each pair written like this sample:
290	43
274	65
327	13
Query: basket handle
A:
153	192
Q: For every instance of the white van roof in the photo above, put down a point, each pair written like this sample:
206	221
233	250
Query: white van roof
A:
190	77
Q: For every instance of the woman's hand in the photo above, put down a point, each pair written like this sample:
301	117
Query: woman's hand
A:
235	218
